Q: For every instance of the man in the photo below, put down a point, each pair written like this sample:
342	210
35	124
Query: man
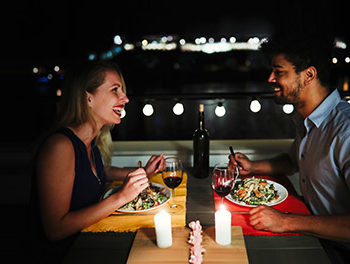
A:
320	152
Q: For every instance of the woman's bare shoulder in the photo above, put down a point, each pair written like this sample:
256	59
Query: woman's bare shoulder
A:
57	145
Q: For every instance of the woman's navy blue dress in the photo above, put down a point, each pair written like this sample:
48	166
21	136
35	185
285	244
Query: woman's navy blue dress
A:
87	190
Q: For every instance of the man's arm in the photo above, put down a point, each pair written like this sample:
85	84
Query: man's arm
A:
334	227
280	165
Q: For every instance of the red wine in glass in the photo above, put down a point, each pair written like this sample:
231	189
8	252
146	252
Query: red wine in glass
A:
223	190
172	176
172	182
223	179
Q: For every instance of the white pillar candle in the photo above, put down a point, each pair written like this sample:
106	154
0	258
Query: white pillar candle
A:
223	227
162	223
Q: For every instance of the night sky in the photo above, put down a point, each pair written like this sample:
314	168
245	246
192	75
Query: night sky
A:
43	33
63	30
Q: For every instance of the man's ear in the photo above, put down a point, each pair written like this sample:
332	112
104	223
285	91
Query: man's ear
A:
310	75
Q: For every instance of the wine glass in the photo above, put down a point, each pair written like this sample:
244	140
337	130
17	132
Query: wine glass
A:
223	179
172	177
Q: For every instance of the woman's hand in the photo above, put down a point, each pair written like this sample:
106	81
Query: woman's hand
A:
245	164
134	183
154	165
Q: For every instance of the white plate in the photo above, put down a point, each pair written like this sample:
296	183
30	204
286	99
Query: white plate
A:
167	193
281	191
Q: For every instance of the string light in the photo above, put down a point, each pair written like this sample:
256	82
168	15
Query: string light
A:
255	106
288	108
220	110
178	108
148	110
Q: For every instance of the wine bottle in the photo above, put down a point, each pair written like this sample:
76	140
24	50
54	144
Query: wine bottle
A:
201	147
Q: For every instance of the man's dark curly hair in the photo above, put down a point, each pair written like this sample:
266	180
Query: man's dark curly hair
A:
303	51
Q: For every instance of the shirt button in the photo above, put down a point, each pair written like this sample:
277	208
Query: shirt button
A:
303	180
302	155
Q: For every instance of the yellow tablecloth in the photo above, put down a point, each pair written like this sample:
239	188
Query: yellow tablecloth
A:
122	222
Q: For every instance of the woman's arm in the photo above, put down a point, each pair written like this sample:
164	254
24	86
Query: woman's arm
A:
117	174
154	165
55	184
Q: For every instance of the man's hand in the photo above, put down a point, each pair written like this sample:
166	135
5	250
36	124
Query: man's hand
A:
266	218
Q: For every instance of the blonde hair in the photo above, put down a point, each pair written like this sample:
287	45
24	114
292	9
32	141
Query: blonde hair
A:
73	107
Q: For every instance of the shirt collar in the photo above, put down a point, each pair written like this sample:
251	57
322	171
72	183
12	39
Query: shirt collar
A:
323	110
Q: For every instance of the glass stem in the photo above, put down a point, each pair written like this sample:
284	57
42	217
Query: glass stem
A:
174	204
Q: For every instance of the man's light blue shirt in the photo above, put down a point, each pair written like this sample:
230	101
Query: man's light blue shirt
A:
323	157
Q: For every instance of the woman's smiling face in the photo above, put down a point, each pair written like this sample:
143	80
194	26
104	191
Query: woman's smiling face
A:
108	101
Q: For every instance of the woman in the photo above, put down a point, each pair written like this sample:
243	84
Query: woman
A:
70	176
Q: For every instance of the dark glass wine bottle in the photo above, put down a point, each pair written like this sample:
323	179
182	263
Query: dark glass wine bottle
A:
201	148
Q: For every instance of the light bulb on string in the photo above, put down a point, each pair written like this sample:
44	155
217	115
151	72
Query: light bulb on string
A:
178	108
288	108
255	106
220	110
123	113
148	110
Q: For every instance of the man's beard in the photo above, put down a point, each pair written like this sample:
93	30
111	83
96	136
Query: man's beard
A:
292	97
280	100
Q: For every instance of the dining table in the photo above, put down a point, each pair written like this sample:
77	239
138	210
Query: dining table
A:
112	240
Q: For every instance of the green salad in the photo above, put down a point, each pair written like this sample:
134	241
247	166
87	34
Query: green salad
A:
255	191
148	198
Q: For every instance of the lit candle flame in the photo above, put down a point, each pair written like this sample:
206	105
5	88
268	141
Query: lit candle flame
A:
222	207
